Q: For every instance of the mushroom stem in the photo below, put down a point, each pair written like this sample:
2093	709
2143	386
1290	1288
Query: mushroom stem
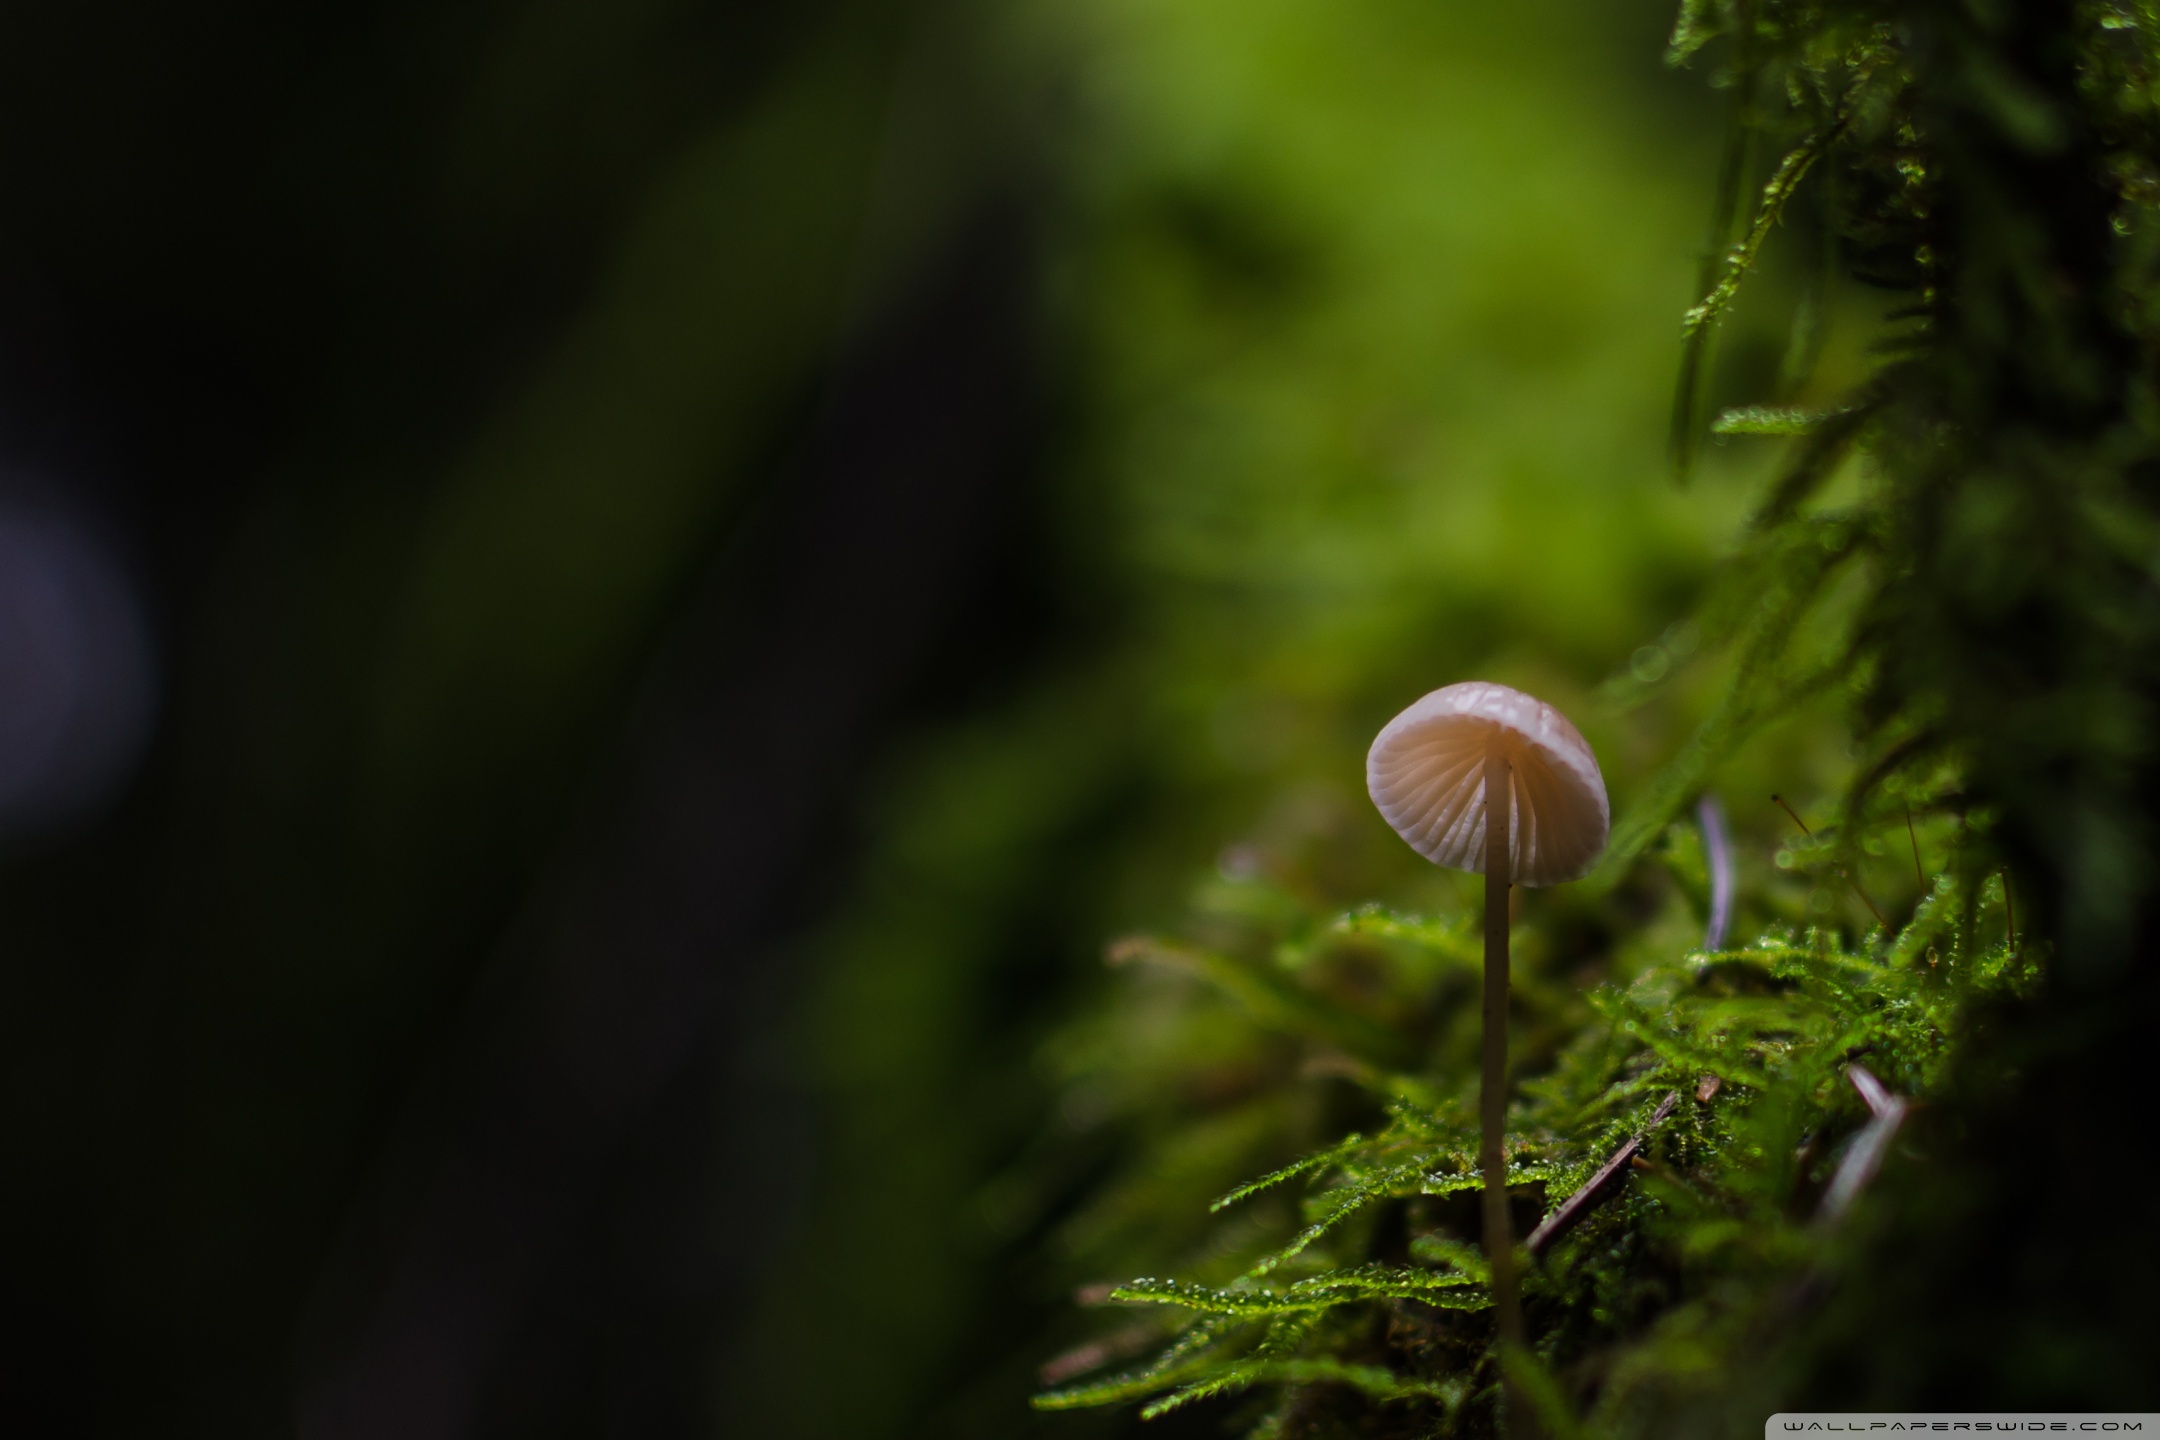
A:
1492	1087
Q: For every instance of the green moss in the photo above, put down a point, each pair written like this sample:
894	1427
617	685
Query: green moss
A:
1368	1280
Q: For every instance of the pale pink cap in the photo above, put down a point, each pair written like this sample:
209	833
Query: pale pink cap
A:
1426	772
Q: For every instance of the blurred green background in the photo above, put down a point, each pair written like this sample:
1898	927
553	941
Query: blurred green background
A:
702	560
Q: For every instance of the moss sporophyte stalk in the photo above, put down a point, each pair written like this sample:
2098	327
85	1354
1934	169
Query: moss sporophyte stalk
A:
1742	1164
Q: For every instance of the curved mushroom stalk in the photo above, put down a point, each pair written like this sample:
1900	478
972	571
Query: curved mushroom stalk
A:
1482	778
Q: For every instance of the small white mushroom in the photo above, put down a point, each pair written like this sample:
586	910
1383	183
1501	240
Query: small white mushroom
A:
1439	772
1426	772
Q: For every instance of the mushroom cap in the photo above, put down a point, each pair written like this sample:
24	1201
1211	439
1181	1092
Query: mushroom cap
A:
1426	772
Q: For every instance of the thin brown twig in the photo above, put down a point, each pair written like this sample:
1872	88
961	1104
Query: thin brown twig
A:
1850	878
1579	1204
1914	836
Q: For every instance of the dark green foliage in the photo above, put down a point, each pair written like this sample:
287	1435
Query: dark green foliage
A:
1962	548
1353	1269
